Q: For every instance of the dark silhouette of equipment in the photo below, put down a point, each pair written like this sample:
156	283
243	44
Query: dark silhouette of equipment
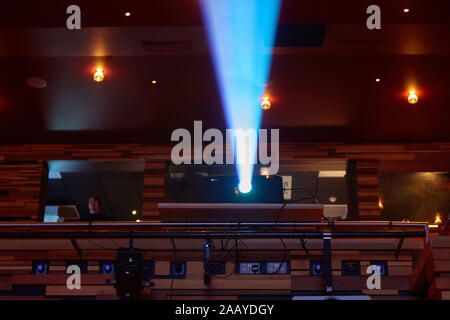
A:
128	279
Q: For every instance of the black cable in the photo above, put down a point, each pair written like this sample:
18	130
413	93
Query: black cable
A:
285	203
307	191
103	248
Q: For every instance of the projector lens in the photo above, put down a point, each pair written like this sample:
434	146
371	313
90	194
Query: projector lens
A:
244	187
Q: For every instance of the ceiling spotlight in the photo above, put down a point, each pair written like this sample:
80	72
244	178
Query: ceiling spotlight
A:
127	14
412	97
98	75
265	103
406	10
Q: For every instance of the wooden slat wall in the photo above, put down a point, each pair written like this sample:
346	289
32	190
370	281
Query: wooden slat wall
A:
367	189
15	271
431	273
20	189
21	168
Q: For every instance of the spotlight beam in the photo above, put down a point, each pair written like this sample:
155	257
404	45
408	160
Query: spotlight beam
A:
241	35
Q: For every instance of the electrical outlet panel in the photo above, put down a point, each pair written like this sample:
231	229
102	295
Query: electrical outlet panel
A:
250	268
263	268
277	267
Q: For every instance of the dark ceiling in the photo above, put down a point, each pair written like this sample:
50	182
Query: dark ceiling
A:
325	93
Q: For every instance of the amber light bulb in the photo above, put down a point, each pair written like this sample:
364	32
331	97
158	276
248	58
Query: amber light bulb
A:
412	97
99	75
437	219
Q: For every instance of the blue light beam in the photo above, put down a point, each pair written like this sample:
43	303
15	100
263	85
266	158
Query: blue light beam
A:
241	35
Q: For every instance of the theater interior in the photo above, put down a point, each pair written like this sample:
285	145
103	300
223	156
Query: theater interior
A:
89	185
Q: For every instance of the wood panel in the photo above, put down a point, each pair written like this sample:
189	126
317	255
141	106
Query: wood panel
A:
21	168
431	272
227	286
20	190
367	189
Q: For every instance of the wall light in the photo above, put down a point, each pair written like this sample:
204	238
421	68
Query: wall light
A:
412	97
437	219
264	171
98	75
332	174
265	103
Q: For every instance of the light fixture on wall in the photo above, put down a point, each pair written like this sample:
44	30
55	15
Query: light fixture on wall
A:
99	75
265	103
332	174
412	97
437	219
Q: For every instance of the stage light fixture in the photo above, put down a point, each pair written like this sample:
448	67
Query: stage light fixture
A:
382	265
412	97
406	10
351	268
99	75
154	81
316	268
265	103
127	14
40	267
106	267
244	187
128	274
377	80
